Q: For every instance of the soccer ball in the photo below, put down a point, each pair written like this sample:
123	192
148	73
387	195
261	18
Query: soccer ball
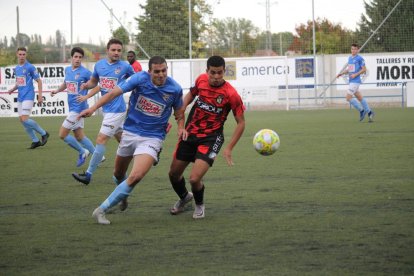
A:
266	142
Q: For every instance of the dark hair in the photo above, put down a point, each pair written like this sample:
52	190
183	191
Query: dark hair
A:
216	61
21	49
156	60
131	52
77	50
355	45
113	41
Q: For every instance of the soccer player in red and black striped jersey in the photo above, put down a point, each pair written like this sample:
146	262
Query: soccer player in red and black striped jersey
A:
213	98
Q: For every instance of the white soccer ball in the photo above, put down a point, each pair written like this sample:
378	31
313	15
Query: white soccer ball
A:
266	142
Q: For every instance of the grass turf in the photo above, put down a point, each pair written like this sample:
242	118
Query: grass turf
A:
337	198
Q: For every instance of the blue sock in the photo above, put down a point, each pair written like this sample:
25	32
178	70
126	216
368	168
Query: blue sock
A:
96	158
73	143
29	130
354	102
365	105
35	126
117	182
87	144
121	191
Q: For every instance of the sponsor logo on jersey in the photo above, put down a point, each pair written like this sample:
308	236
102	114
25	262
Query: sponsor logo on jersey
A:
21	80
107	83
149	106
208	107
72	87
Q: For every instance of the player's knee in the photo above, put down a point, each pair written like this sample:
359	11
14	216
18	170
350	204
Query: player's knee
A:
134	178
195	181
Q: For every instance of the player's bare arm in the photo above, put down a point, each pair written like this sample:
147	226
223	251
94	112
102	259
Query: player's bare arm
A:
103	100
39	90
91	83
180	119
342	73
90	94
188	99
362	71
13	89
60	89
237	133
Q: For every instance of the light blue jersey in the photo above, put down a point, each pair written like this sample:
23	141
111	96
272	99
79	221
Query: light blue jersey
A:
110	75
73	79
25	75
355	64
150	106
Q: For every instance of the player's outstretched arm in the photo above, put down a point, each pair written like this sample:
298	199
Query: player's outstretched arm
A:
13	89
103	100
180	119
237	133
90	94
60	89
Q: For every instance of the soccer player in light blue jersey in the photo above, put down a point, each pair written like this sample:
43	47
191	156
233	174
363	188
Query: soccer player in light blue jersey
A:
109	72
75	75
153	99
25	74
356	67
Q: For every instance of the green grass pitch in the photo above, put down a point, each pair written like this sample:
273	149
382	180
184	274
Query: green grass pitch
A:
336	199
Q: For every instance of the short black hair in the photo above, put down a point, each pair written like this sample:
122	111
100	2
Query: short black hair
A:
77	50
156	60
113	41
132	52
355	45
216	61
21	49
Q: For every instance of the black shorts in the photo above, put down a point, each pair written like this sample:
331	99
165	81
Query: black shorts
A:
206	148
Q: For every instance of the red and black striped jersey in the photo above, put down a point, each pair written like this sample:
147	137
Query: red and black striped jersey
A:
211	107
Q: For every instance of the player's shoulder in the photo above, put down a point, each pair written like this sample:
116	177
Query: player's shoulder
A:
172	83
229	88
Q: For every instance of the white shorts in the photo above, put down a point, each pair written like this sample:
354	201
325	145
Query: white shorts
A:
72	123
112	123
132	144
353	88
25	107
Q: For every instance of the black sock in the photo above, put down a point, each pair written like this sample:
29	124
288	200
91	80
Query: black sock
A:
198	196
179	188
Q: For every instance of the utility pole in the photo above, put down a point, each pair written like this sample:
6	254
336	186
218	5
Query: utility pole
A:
18	28
71	24
268	26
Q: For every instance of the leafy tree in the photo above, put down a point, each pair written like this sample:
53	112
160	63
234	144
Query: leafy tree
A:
36	53
280	42
163	29
23	40
59	39
7	58
396	34
330	38
233	37
122	34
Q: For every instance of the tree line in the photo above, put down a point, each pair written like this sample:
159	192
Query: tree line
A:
163	29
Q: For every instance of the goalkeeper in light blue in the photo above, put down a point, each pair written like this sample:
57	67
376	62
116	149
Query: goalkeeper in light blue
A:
356	68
